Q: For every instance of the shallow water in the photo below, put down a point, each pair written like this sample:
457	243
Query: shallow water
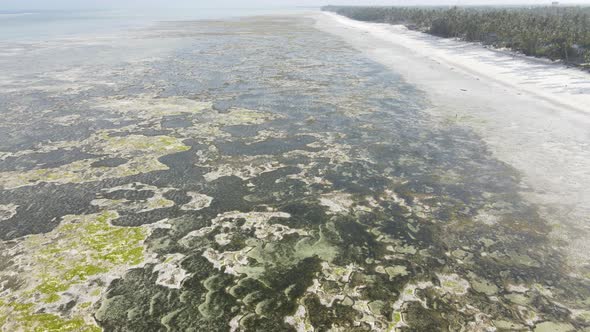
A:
36	25
256	174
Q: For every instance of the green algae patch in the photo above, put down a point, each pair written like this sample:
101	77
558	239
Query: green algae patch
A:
96	244
146	106
27	320
66	265
395	271
141	152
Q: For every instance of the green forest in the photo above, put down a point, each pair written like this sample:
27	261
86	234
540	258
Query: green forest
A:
557	33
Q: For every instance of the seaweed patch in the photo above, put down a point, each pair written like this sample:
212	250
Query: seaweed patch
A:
75	262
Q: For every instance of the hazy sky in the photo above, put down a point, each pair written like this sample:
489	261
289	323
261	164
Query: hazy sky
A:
65	4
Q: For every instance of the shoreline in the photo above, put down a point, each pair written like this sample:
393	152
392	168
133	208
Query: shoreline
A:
529	114
569	86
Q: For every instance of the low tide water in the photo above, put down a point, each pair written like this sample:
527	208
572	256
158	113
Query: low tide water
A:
34	25
255	174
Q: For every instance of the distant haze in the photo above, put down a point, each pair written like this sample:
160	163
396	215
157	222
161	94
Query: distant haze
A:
105	4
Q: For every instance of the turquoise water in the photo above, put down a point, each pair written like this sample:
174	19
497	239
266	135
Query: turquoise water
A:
30	25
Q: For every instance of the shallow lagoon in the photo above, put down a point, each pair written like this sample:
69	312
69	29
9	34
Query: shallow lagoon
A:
256	174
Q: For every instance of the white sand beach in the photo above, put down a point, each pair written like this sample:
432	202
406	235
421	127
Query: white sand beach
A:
533	114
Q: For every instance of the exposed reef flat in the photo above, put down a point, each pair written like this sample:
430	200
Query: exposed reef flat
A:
259	175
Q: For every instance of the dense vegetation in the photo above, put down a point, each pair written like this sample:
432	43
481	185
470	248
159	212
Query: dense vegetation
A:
557	33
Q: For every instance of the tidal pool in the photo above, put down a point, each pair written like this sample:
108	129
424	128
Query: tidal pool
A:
258	175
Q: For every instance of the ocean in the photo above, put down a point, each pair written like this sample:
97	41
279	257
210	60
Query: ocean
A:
35	25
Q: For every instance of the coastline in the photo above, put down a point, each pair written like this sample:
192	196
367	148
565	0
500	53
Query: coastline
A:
538	126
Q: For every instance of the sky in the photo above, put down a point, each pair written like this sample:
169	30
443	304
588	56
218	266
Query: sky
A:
107	4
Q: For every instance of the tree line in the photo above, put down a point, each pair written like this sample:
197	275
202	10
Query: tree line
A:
557	33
